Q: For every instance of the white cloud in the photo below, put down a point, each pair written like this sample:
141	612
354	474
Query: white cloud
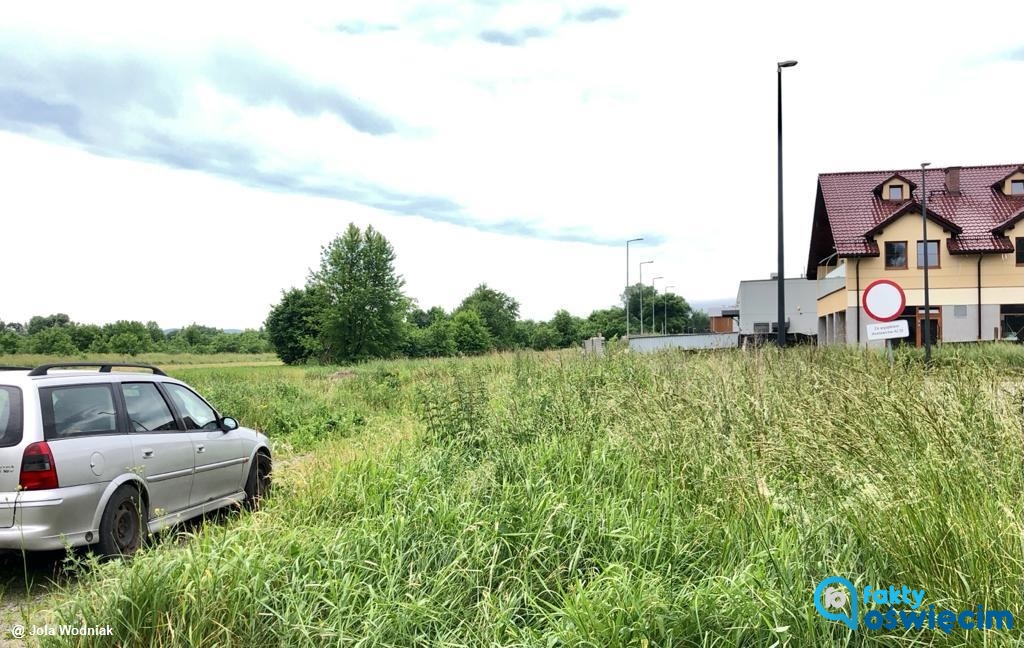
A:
658	122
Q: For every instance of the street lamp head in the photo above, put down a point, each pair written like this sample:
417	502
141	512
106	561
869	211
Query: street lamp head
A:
783	64
634	240
925	164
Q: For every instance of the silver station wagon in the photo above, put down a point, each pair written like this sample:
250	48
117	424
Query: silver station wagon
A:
103	458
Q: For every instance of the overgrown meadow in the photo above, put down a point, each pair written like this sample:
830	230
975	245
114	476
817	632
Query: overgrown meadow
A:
556	500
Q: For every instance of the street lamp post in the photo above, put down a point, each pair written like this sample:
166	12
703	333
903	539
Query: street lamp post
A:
664	322
626	295
654	300
642	264
781	339
927	321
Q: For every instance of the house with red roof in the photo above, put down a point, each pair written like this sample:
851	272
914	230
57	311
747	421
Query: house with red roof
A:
868	226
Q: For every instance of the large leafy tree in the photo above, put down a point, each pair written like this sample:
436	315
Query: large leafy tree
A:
293	326
38	323
568	327
470	333
362	303
608	323
498	311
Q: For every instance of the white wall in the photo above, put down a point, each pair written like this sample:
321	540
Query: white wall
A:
758	302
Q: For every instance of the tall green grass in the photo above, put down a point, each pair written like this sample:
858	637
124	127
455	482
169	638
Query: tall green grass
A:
674	499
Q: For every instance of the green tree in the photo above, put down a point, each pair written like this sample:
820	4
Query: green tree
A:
131	337
14	327
85	335
470	333
524	333
196	338
253	341
10	342
545	336
53	340
608	323
440	339
363	305
39	323
127	343
293	326
498	311
156	334
568	327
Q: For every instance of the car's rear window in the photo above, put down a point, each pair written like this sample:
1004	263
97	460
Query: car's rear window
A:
78	410
10	416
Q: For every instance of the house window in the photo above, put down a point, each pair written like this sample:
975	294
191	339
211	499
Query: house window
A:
1020	250
933	254
1017	187
760	327
896	192
896	255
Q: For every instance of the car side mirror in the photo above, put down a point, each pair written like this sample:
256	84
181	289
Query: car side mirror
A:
227	424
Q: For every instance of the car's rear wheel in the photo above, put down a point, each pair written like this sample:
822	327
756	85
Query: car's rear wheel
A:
123	525
257	486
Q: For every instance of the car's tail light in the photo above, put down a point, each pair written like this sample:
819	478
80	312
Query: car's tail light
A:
38	472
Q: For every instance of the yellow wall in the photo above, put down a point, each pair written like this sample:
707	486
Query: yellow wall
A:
954	282
895	183
1006	185
833	302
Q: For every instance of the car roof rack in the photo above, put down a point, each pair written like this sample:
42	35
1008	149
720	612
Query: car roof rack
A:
13	368
105	367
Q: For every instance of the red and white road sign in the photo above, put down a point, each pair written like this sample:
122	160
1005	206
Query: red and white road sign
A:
884	300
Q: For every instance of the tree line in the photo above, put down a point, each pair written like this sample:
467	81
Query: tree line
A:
57	334
352	309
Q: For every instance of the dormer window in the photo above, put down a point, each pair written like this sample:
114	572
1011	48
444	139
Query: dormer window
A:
895	188
1012	184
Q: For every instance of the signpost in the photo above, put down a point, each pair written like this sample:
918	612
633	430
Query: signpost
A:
884	301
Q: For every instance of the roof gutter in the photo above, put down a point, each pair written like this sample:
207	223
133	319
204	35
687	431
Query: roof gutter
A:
980	257
858	302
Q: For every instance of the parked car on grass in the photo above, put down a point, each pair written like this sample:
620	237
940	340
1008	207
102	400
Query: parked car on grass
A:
103	458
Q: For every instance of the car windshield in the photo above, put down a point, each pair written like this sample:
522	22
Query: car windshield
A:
10	416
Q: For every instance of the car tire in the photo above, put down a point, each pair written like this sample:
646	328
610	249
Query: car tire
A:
257	485
123	526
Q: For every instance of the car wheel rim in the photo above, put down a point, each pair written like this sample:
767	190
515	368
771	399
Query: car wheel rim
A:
262	478
126	525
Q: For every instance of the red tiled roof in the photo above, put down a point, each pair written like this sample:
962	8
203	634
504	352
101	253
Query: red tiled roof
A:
909	206
979	210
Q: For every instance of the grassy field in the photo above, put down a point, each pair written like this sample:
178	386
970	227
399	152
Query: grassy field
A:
554	500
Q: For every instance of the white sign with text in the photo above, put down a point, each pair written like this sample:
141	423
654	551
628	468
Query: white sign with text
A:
888	330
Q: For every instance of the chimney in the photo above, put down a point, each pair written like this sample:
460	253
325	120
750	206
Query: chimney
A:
953	180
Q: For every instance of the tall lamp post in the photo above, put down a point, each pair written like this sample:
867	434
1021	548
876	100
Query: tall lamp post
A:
781	339
654	300
664	322
627	282
642	264
927	321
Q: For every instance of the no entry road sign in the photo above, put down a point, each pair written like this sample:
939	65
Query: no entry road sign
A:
884	300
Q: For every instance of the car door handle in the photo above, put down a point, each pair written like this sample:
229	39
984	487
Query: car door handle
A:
147	454
200	449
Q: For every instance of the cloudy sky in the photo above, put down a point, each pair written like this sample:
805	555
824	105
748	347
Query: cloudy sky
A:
188	164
